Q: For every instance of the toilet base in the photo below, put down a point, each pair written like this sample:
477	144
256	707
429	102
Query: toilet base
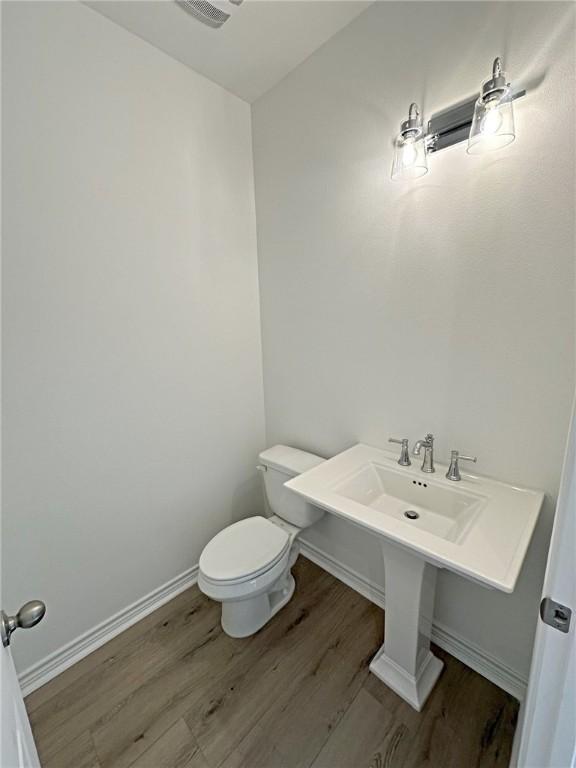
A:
242	618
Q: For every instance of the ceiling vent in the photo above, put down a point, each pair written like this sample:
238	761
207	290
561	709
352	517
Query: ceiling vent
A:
213	14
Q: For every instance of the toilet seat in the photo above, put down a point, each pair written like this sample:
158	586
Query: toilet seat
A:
243	551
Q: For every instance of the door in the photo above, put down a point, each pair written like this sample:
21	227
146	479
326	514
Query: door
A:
17	748
547	735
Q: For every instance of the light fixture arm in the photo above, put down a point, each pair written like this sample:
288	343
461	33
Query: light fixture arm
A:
413	126
496	85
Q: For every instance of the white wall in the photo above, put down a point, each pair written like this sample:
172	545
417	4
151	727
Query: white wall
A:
444	305
132	363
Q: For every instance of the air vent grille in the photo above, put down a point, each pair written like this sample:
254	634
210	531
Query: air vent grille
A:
205	12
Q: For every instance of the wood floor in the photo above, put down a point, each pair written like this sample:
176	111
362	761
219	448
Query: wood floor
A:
175	692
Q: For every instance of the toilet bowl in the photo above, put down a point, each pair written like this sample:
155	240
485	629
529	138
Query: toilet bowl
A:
247	566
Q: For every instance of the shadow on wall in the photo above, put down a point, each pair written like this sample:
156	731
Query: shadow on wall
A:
248	498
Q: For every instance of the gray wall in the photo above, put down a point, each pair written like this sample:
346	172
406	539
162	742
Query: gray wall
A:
132	361
445	304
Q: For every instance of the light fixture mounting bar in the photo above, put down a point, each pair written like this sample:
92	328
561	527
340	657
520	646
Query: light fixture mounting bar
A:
451	126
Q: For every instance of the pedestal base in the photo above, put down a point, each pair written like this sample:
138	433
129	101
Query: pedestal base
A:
414	689
405	662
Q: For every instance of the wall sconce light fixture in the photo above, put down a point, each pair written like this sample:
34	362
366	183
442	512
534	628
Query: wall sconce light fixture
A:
486	122
493	121
410	156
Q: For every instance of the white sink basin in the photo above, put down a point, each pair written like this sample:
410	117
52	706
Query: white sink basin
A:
477	527
423	504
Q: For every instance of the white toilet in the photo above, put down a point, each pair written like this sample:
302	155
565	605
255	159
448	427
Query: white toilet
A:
246	567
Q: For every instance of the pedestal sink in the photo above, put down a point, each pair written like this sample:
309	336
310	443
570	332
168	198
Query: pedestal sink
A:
478	527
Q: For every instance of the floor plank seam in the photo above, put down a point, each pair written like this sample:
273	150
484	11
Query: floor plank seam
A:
334	727
156	740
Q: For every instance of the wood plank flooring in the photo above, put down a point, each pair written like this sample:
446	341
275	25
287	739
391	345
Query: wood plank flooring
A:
174	691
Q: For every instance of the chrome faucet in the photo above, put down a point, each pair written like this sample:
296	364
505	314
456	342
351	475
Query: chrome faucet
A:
428	445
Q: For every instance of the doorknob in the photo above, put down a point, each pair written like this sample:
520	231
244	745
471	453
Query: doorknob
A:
28	616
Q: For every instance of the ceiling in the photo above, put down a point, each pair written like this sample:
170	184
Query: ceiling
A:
258	46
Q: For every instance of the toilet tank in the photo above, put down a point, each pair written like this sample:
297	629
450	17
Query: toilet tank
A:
279	464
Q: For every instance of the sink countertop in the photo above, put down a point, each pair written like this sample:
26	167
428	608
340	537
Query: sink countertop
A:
494	545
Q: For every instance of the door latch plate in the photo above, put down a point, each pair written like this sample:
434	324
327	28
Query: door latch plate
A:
555	614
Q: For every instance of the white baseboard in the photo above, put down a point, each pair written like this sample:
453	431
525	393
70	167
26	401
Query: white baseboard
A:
468	653
51	666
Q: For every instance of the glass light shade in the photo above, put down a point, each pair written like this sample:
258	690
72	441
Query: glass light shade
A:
410	157
493	122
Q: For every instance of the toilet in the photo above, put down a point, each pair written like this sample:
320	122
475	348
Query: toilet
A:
246	567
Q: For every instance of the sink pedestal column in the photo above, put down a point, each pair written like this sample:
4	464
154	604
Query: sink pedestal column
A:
405	662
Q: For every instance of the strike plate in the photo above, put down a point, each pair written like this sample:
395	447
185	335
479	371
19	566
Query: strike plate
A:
555	614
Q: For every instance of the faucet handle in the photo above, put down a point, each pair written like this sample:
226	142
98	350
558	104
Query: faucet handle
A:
454	470
404	459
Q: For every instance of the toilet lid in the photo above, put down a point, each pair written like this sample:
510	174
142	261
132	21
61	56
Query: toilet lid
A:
243	550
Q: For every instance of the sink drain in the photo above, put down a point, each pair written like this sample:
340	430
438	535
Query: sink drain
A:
411	515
